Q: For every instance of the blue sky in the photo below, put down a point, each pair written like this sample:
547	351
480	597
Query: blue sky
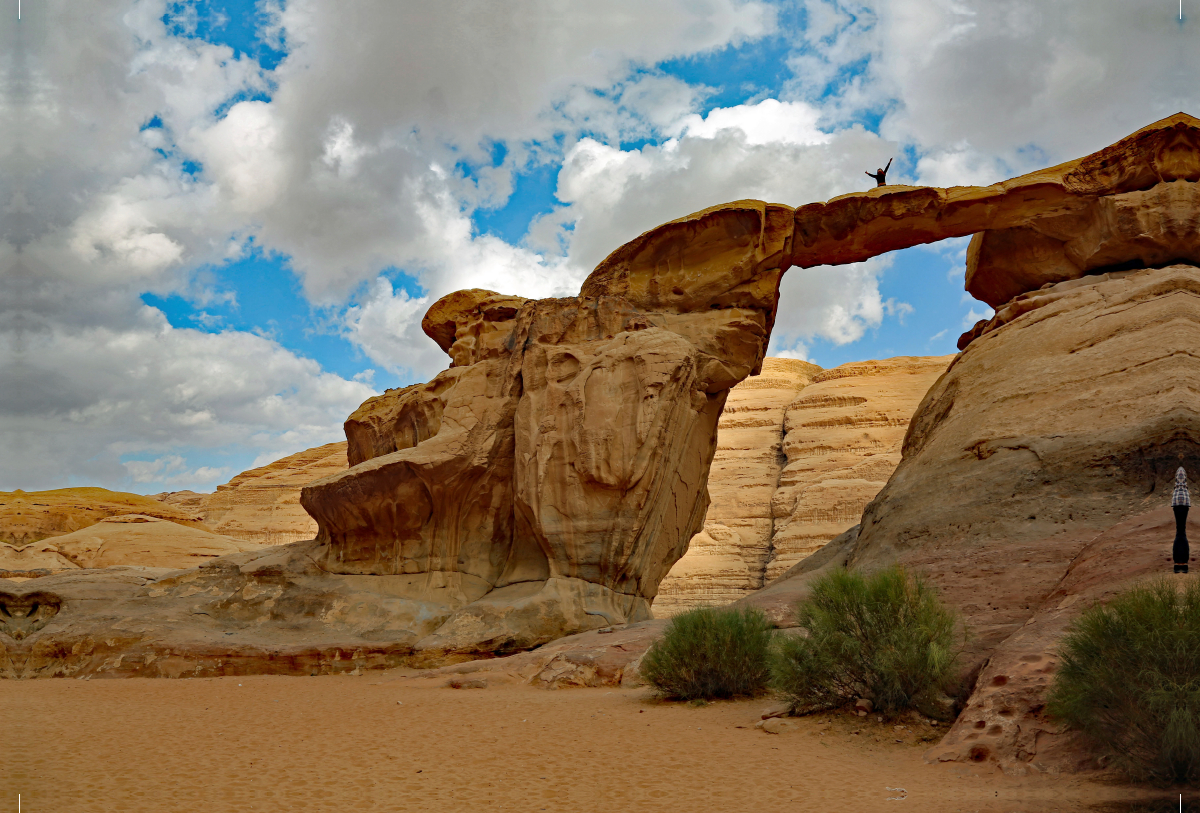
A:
263	295
240	209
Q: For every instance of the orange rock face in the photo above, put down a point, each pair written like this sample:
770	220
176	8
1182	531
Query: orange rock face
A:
800	453
729	557
842	442
560	463
30	516
262	505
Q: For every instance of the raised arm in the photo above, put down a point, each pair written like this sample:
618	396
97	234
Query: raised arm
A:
889	164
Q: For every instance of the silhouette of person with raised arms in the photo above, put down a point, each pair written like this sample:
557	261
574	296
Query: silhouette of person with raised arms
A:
1181	500
881	175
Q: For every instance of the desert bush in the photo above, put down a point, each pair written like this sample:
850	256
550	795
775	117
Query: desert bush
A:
884	636
710	653
1129	681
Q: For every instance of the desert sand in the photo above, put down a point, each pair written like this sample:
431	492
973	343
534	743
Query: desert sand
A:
402	742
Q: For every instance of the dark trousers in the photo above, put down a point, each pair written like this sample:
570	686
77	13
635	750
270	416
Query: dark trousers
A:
1180	551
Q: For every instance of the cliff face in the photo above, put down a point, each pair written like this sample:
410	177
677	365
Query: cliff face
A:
800	453
729	557
842	438
262	505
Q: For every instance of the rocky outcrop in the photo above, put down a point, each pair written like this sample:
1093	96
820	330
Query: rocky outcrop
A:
29	516
728	558
548	481
142	541
842	441
559	464
1067	416
262	505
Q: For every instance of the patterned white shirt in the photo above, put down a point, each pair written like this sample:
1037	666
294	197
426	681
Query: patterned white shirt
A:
1181	495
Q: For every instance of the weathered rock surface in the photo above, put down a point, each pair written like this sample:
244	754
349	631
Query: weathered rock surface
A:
262	505
1005	721
842	442
1065	417
30	516
549	480
728	558
776	497
561	460
141	541
1060	200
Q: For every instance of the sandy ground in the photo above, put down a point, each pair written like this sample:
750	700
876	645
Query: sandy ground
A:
390	742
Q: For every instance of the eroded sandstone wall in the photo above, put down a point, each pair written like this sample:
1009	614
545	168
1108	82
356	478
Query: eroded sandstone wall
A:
800	453
842	439
729	557
262	505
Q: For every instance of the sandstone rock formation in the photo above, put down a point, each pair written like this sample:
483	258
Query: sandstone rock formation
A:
729	557
549	480
1051	427
558	467
262	505
143	541
1060	199
125	540
842	442
781	489
30	516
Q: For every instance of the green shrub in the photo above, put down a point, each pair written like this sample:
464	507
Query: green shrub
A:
884	636
1129	680
710	653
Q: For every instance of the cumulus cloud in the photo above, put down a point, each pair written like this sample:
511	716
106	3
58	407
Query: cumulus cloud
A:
133	154
132	162
998	88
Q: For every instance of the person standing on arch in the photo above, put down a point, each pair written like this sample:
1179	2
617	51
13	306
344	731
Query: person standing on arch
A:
1180	501
880	176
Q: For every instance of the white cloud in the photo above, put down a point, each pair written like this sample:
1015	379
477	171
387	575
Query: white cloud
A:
973	316
767	122
378	145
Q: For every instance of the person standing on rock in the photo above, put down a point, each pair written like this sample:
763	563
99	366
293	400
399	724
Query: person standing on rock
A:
880	176
1180	501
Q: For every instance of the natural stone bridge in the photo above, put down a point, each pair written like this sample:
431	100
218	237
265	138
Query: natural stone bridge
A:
547	481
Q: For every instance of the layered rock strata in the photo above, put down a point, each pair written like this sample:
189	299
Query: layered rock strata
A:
549	480
842	441
800	453
729	557
262	505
